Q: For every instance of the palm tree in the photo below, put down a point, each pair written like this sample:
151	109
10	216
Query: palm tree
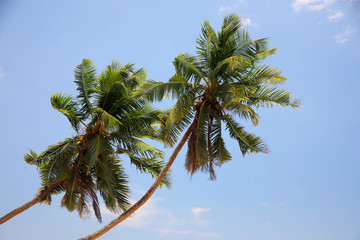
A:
108	122
223	82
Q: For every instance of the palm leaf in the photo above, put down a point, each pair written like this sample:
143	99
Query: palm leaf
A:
268	96
189	67
151	166
112	183
97	145
248	142
65	104
85	80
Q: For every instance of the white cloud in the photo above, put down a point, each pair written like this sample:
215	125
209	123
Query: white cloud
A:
165	231
145	216
344	36
228	8
311	5
207	235
336	16
247	22
197	212
2	73
155	218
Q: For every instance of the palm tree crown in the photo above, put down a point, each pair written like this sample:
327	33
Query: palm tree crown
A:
108	121
224	81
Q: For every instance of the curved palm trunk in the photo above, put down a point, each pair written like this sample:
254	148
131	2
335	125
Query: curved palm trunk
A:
29	204
147	195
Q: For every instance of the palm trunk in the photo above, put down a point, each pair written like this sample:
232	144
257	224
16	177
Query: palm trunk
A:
29	204
147	195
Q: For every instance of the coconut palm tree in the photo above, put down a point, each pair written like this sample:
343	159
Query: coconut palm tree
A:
224	82
108	121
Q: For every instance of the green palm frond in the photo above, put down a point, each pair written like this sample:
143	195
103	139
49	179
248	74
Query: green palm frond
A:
206	44
108	121
265	96
264	54
136	78
229	66
263	75
170	130
59	151
152	166
231	25
30	158
135	146
85	79
112	183
248	142
97	146
112	95
189	67
237	106
249	48
48	198
156	91
65	104
219	152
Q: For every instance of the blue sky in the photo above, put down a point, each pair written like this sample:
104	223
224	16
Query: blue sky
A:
307	188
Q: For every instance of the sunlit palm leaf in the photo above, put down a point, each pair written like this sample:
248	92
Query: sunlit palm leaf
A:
152	166
85	80
247	142
65	104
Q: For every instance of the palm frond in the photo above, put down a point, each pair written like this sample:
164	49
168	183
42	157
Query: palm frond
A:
229	66
112	183
60	151
206	44
97	146
237	107
219	152
135	146
108	121
189	67
262	75
152	166
248	142
170	130
249	48
65	104
265	96
85	79
156	91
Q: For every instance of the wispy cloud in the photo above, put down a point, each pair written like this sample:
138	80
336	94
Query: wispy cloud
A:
207	235
247	22
336	16
344	36
2	73
155	218
145	216
166	231
197	214
228	8
310	5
